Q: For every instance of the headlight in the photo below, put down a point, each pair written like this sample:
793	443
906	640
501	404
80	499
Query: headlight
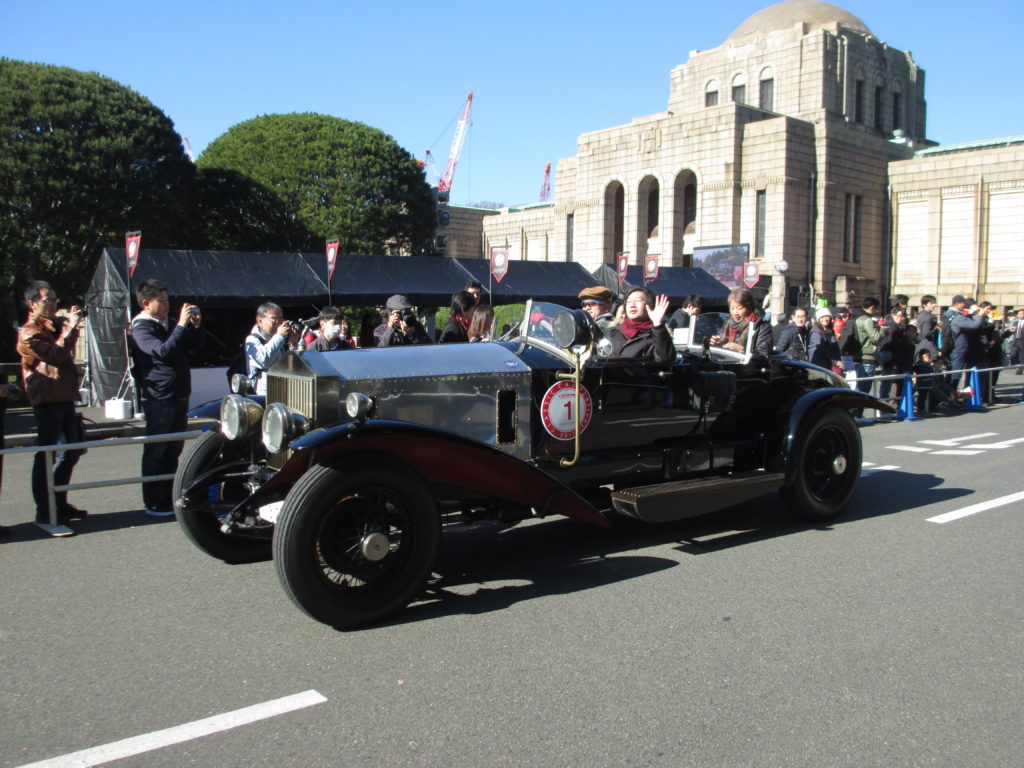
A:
357	405
239	417
281	425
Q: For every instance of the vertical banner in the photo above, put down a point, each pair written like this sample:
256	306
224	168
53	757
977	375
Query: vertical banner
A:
499	262
650	268
332	258
751	273
132	246
622	266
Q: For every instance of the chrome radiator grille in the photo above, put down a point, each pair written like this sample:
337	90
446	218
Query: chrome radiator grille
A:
297	394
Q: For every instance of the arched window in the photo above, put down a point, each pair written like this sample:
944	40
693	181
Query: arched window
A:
739	88
766	90
614	220
711	94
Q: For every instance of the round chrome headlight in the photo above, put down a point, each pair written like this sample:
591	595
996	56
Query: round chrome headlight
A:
281	425
239	417
357	405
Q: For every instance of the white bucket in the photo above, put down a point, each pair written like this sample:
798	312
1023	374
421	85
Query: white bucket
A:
118	409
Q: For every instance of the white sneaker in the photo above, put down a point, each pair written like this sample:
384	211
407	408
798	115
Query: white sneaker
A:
160	512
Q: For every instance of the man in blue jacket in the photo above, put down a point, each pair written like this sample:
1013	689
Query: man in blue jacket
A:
159	346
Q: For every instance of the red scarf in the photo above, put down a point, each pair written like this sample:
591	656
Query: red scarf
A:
463	323
632	328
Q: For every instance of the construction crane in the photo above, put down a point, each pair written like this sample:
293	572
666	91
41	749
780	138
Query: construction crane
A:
444	180
545	185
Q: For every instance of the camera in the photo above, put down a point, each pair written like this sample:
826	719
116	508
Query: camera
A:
407	316
293	326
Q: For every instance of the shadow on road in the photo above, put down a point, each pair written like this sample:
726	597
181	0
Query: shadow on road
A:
486	567
95	523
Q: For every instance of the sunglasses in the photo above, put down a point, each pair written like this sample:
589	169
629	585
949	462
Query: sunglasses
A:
590	303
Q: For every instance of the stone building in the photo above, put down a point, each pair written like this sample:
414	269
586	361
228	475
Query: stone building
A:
781	138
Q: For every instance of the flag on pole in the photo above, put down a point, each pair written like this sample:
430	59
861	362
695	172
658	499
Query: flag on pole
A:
332	257
623	266
499	262
650	268
132	246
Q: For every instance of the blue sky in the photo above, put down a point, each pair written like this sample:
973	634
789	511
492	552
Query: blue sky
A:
542	73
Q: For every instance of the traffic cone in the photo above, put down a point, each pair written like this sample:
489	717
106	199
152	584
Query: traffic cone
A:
976	403
906	411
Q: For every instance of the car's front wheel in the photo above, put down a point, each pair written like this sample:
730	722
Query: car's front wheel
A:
353	545
198	516
826	466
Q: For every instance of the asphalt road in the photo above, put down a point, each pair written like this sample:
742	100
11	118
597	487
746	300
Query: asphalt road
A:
737	639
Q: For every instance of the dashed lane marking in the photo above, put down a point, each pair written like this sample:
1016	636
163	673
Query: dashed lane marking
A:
974	509
136	745
867	471
911	448
958	440
955	452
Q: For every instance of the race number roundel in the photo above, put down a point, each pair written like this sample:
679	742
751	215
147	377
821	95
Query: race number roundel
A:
556	410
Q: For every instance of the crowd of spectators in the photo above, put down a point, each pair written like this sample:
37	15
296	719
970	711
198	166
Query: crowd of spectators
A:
865	340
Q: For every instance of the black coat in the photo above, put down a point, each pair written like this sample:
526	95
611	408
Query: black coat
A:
655	344
794	341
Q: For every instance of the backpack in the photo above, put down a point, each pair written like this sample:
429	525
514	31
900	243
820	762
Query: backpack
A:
946	334
237	364
849	345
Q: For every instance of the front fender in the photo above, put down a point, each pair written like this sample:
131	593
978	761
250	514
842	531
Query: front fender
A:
810	403
442	458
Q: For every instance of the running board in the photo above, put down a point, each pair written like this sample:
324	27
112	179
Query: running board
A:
680	499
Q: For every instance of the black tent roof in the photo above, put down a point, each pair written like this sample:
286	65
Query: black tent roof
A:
675	282
559	282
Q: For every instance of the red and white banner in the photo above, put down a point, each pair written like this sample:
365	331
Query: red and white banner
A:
751	273
132	246
499	262
622	266
331	253
650	268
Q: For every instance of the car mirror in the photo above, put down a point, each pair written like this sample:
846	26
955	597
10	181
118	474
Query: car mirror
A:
604	348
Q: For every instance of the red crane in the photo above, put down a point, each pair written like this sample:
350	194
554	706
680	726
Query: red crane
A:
545	185
444	180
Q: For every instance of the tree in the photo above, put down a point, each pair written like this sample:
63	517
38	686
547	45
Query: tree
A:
233	212
84	160
344	179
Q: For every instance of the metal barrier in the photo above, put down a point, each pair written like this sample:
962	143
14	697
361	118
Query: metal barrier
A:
911	377
48	450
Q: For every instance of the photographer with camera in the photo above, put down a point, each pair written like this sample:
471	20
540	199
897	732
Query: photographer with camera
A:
46	344
400	326
266	343
160	347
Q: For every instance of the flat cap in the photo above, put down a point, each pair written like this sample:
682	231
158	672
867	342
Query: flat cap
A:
596	293
398	301
958	299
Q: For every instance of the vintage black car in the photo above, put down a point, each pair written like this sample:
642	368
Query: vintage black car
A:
348	469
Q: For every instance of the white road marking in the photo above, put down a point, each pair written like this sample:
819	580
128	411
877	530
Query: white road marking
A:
136	745
958	440
997	446
873	470
956	453
975	508
911	448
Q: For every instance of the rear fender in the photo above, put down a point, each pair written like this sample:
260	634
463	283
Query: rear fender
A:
809	404
441	458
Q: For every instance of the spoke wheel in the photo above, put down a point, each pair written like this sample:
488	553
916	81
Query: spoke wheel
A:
827	466
354	545
198	519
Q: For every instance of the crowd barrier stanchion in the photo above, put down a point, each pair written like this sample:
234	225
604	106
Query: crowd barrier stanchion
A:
906	411
976	403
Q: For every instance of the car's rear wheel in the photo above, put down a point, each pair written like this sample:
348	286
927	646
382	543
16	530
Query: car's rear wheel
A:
198	517
826	466
354	545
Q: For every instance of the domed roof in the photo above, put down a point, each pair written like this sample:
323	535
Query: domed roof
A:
785	15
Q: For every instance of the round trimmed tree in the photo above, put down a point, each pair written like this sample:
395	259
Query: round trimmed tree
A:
85	159
344	179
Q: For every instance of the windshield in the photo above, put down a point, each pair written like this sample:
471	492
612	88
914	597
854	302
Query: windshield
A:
704	326
537	322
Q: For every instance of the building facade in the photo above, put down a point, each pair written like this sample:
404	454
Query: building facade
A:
791	137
